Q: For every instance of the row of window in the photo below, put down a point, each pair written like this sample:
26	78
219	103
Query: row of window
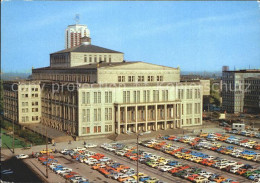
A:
97	58
86	97
189	93
96	129
32	95
26	118
27	89
24	104
146	96
139	78
97	115
75	78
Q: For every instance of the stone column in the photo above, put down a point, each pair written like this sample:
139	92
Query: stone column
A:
118	119
136	124
165	116
155	117
146	117
125	119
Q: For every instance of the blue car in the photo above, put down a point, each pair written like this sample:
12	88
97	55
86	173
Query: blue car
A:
144	178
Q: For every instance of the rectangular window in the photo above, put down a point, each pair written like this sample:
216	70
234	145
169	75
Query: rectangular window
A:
95	97
134	96
140	78
128	96
159	78
110	97
155	95
95	58
83	98
124	96
138	96
150	78
144	96
99	114
105	58
90	58
99	97
110	114
106	114
100	58
95	114
131	78
106	97
109	58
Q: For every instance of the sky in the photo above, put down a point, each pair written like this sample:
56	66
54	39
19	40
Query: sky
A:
195	36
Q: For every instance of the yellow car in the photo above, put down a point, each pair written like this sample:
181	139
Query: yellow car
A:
192	158
186	141
178	155
251	142
198	159
45	151
200	179
203	134
152	180
140	174
248	157
228	152
155	164
161	159
187	156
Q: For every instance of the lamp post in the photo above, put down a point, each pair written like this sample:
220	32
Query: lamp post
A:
47	176
13	136
137	148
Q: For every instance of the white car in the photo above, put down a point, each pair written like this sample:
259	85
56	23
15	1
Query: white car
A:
22	156
91	161
120	153
234	169
90	145
63	151
165	168
105	159
64	170
79	149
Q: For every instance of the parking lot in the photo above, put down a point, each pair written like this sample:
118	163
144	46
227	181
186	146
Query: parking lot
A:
75	159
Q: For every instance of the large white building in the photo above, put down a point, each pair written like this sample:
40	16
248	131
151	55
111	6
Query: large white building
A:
74	33
91	90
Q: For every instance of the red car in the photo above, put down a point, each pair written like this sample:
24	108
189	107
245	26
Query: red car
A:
192	177
71	174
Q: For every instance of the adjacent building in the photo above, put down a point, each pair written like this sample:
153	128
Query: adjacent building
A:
239	90
91	90
74	33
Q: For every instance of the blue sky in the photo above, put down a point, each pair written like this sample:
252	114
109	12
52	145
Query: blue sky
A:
197	36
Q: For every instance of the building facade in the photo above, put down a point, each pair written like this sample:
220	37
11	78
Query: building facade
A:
252	96
22	101
91	90
74	33
234	89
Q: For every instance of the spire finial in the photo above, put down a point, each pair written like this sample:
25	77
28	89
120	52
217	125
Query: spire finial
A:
77	18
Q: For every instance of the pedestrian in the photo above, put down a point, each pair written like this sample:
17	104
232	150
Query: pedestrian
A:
201	131
31	145
32	154
84	142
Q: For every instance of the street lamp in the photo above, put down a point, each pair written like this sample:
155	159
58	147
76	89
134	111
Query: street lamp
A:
137	147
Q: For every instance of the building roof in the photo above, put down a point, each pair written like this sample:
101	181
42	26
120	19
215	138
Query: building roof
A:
87	49
93	66
245	71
